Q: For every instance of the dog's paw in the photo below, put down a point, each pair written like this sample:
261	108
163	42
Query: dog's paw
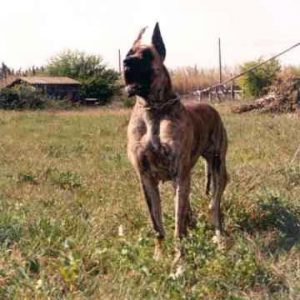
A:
177	272
219	240
158	254
177	258
179	254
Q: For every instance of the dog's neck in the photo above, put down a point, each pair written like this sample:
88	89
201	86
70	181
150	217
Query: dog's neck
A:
161	98
161	87
160	94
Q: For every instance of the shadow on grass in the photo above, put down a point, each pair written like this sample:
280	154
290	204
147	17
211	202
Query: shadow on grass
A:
9	233
273	216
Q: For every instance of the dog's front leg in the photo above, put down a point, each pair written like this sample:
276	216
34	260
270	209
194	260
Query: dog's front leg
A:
152	197
182	210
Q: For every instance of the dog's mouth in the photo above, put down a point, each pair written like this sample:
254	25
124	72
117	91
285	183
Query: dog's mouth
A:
128	74
132	86
137	80
132	89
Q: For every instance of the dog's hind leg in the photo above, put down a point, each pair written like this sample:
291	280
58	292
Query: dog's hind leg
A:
208	172
152	197
219	176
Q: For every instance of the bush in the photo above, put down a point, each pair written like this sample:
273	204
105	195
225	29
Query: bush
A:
97	80
128	102
100	87
257	82
22	97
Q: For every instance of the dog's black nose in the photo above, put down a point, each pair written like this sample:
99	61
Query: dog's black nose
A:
125	62
130	61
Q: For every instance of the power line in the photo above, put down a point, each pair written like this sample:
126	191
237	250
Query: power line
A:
251	69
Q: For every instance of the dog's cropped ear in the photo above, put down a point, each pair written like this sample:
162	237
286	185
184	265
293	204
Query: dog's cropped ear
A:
158	42
138	40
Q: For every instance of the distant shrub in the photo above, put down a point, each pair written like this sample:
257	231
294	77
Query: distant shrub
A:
100	87
257	82
128	102
22	97
98	81
27	97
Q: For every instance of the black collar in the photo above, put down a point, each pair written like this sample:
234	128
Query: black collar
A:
161	106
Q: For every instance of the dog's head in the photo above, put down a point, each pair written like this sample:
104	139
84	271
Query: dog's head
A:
144	70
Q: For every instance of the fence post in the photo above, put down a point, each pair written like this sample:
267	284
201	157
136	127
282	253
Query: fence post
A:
232	90
220	63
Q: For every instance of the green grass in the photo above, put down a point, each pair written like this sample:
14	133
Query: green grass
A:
66	187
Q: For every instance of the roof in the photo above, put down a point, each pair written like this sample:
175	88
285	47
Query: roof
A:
5	82
9	81
49	80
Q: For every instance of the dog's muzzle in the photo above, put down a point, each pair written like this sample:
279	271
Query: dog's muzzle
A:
131	72
132	69
137	75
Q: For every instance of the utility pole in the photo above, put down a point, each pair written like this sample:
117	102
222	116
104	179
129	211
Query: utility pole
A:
220	62
120	66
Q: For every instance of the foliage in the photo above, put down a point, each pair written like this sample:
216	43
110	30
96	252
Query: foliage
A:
97	80
101	87
128	102
257	82
75	64
4	71
22	97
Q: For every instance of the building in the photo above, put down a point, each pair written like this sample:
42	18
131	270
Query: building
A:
54	87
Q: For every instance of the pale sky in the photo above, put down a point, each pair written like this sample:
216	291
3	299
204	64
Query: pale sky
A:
31	31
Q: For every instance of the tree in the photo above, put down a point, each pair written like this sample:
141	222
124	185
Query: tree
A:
97	80
256	83
5	71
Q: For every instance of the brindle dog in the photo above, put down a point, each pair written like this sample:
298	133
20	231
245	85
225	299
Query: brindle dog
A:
166	138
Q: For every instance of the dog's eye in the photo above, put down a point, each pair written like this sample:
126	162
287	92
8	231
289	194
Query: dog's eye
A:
147	55
130	52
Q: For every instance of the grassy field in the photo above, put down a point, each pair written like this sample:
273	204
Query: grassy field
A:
66	189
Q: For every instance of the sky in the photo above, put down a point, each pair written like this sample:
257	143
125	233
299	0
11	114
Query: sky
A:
32	31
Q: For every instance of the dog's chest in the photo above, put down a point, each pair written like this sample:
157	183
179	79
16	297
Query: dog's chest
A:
159	155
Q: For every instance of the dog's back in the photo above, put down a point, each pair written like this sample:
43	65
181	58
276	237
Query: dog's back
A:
209	134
